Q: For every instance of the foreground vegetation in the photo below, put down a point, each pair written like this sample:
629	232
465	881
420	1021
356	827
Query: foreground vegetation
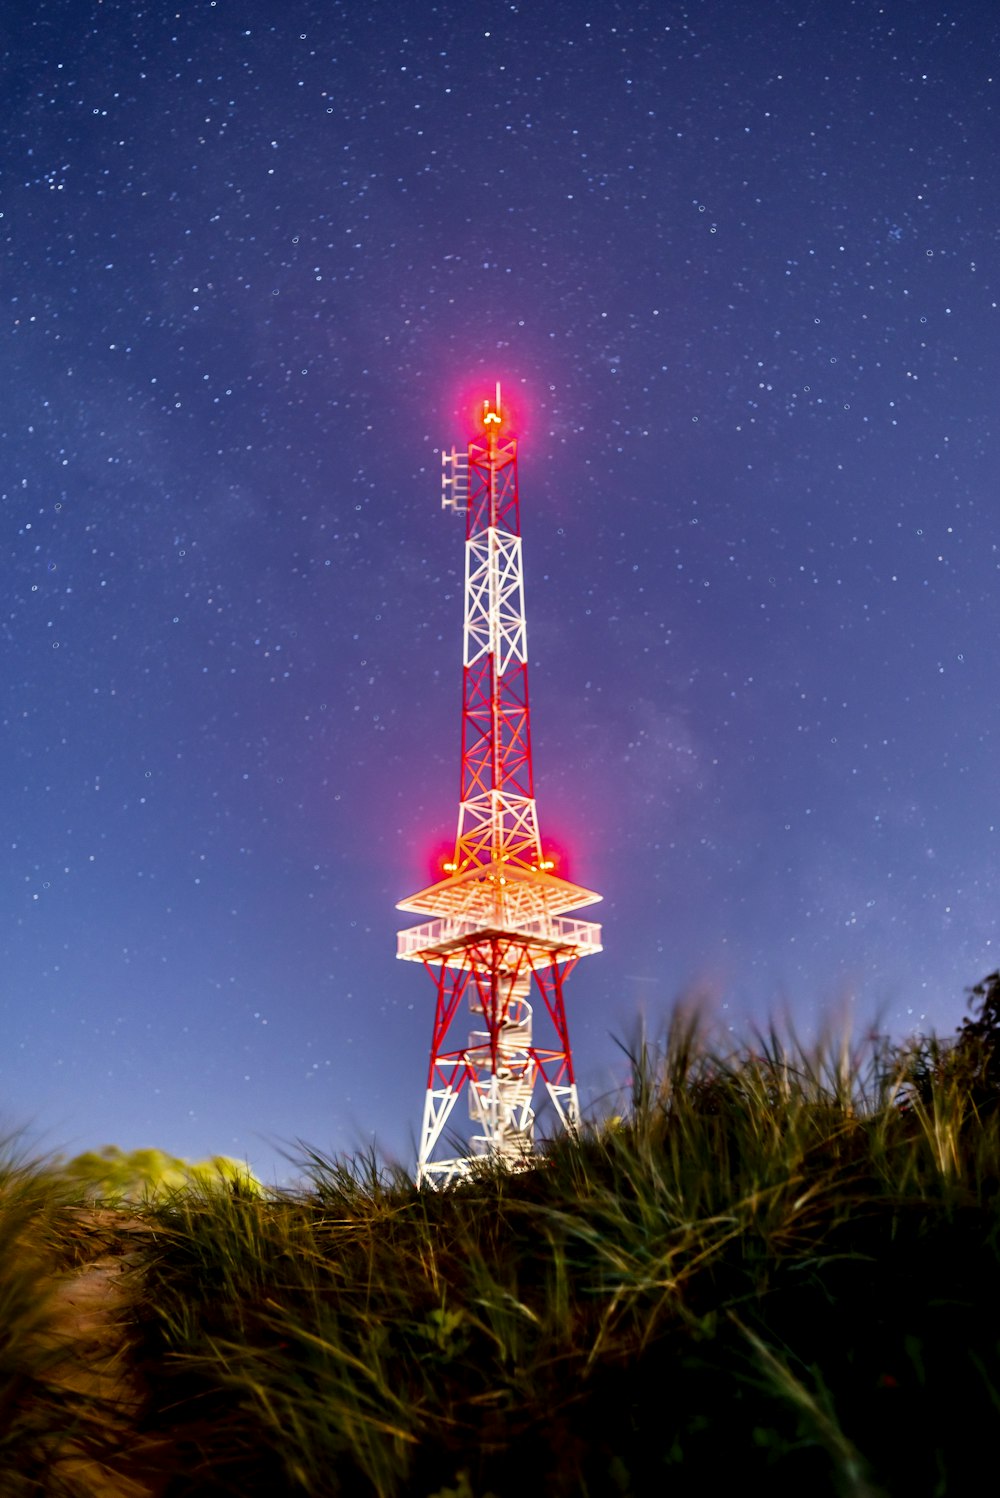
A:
778	1266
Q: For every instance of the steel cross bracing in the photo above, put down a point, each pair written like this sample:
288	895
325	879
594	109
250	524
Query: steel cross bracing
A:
498	940
497	819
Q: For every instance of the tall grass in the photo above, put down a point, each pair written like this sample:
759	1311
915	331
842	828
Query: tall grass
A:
49	1424
779	1263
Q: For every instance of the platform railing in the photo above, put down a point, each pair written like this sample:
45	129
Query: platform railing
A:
450	930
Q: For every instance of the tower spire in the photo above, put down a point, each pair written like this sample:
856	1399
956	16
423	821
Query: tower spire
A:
498	937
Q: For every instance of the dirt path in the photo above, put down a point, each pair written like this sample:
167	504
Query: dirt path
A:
92	1316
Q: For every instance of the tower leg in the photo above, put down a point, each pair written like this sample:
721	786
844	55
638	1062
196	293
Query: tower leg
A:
438	1106
447	1074
556	1066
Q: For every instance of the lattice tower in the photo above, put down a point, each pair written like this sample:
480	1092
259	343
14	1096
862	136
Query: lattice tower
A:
498	939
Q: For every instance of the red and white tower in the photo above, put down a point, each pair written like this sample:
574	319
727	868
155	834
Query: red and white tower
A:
498	937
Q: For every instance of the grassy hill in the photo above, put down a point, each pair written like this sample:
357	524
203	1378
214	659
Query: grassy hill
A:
776	1267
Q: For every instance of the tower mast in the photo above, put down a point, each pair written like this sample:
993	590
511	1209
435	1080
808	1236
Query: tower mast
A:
498	937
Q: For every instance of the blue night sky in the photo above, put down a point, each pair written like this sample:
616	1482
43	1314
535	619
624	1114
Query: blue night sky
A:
739	268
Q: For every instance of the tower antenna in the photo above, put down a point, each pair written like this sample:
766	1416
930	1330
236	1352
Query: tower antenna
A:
498	936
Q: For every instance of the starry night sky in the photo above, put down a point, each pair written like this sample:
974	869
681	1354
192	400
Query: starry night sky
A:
738	268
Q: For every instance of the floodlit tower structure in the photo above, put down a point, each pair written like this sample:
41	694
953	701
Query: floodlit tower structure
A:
498	943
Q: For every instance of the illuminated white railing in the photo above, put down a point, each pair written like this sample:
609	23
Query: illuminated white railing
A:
451	930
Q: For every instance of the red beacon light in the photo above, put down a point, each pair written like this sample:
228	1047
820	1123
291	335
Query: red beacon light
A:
553	860
491	413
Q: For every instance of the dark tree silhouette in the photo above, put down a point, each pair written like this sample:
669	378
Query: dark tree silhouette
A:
978	1046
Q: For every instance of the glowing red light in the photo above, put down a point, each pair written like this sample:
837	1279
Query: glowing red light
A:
554	859
493	411
477	401
440	862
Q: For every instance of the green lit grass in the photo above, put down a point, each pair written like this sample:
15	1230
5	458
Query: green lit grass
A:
48	1419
